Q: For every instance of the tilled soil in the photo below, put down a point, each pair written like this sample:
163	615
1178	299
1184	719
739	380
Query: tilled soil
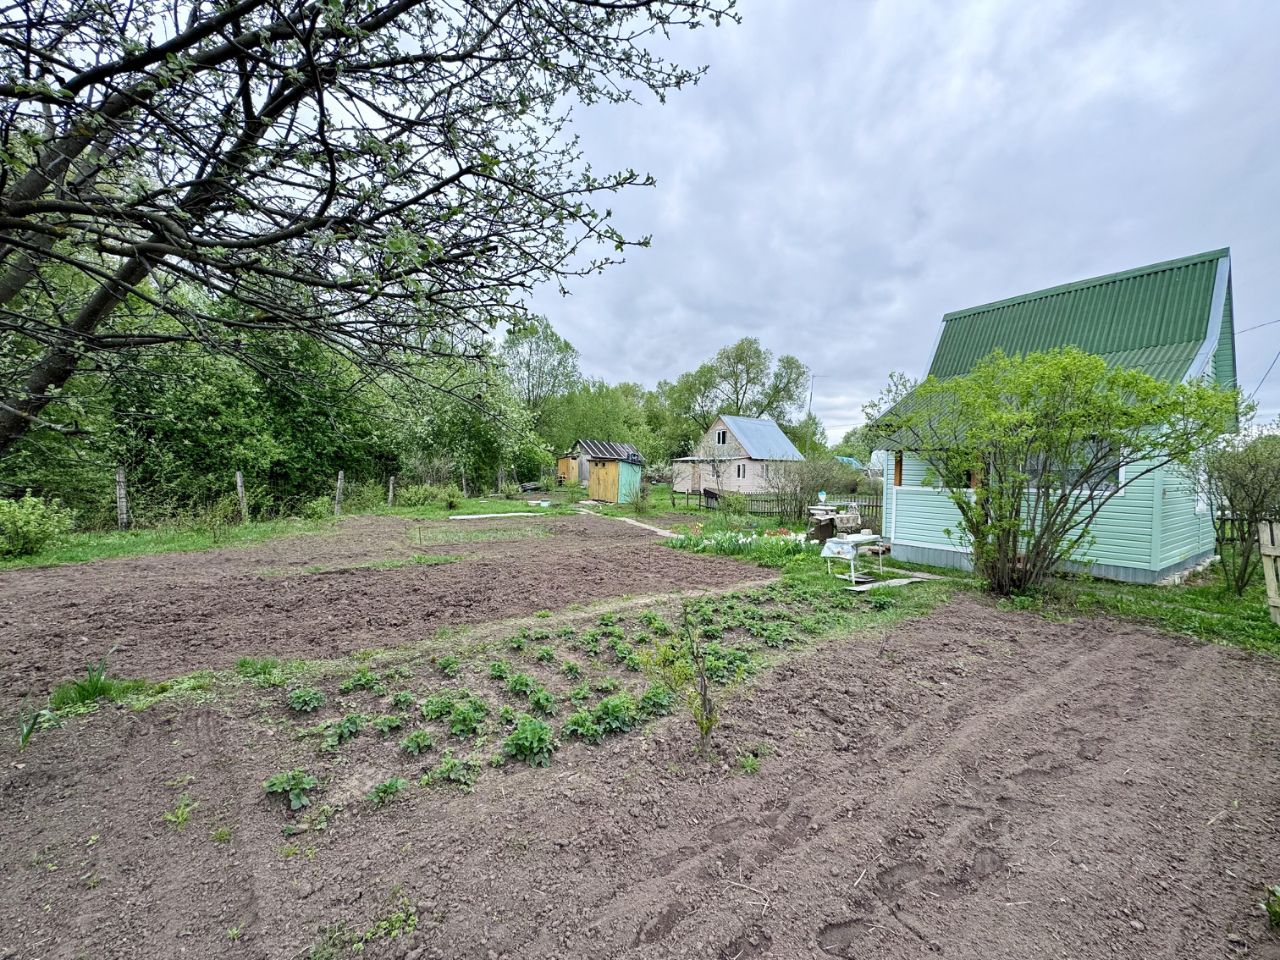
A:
974	784
163	616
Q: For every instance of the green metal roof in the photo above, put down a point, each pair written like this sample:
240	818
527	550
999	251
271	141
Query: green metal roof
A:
1154	318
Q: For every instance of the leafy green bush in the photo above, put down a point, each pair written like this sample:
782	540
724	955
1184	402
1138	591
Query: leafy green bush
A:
318	509
581	725
580	693
30	524
294	783
616	714
531	741
305	699
418	742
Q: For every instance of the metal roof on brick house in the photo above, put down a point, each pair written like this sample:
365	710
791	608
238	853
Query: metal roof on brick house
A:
761	438
1172	320
607	450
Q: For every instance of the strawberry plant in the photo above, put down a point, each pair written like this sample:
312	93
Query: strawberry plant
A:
545	654
606	685
449	665
296	784
403	700
657	701
571	669
507	715
467	716
521	684
499	670
580	724
519	641
590	643
417	743
1271	903
387	791
543	701
362	679
581	693
616	714
338	732
387	723
531	741
305	699
462	771
438	705
607	619
655	623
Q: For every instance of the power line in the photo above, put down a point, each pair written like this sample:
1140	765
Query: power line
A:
1257	326
1265	375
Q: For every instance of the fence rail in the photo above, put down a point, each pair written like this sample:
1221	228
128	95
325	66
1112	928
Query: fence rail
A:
870	506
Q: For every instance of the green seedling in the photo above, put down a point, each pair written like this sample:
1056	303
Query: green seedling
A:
418	742
531	741
295	784
521	684
387	791
580	725
305	699
581	693
180	814
403	700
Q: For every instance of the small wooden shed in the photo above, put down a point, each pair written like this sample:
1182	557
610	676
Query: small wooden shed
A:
610	471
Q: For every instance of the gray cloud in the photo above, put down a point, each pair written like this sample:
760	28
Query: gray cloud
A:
845	174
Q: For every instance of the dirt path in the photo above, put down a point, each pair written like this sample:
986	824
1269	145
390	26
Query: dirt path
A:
168	615
976	784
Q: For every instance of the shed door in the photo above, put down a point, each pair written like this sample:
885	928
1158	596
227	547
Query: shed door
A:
603	484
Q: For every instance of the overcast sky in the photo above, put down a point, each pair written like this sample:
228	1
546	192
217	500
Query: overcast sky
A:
847	172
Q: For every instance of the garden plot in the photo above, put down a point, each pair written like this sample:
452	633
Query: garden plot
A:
370	582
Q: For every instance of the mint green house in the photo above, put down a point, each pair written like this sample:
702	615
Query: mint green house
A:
1173	321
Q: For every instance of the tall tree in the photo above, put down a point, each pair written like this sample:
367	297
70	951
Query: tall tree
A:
377	175
540	364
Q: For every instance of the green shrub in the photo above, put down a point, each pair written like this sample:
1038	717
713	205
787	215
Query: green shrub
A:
531	741
1271	903
30	524
418	742
580	724
616	714
305	699
318	509
294	783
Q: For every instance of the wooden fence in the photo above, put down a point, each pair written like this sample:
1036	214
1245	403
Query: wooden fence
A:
1269	542
870	506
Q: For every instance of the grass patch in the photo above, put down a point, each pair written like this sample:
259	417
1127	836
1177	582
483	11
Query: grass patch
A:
104	545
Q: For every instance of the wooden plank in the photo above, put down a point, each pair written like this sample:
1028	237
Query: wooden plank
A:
1268	537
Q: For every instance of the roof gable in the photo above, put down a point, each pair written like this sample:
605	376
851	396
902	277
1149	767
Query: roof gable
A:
1155	318
761	438
607	450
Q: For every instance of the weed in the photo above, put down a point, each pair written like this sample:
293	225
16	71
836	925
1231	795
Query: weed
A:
499	670
542	614
220	834
616	714
521	684
362	679
388	723
438	705
94	687
263	671
881	599
571	669
749	759
27	723
418	742
531	741
400	921
181	813
305	699
296	784
545	654
581	725
234	933
289	850
657	701
449	665
338	732
461	771
403	700
386	791
467	716
1271	903
544	701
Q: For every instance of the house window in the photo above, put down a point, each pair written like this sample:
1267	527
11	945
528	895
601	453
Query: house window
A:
741	471
722	437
